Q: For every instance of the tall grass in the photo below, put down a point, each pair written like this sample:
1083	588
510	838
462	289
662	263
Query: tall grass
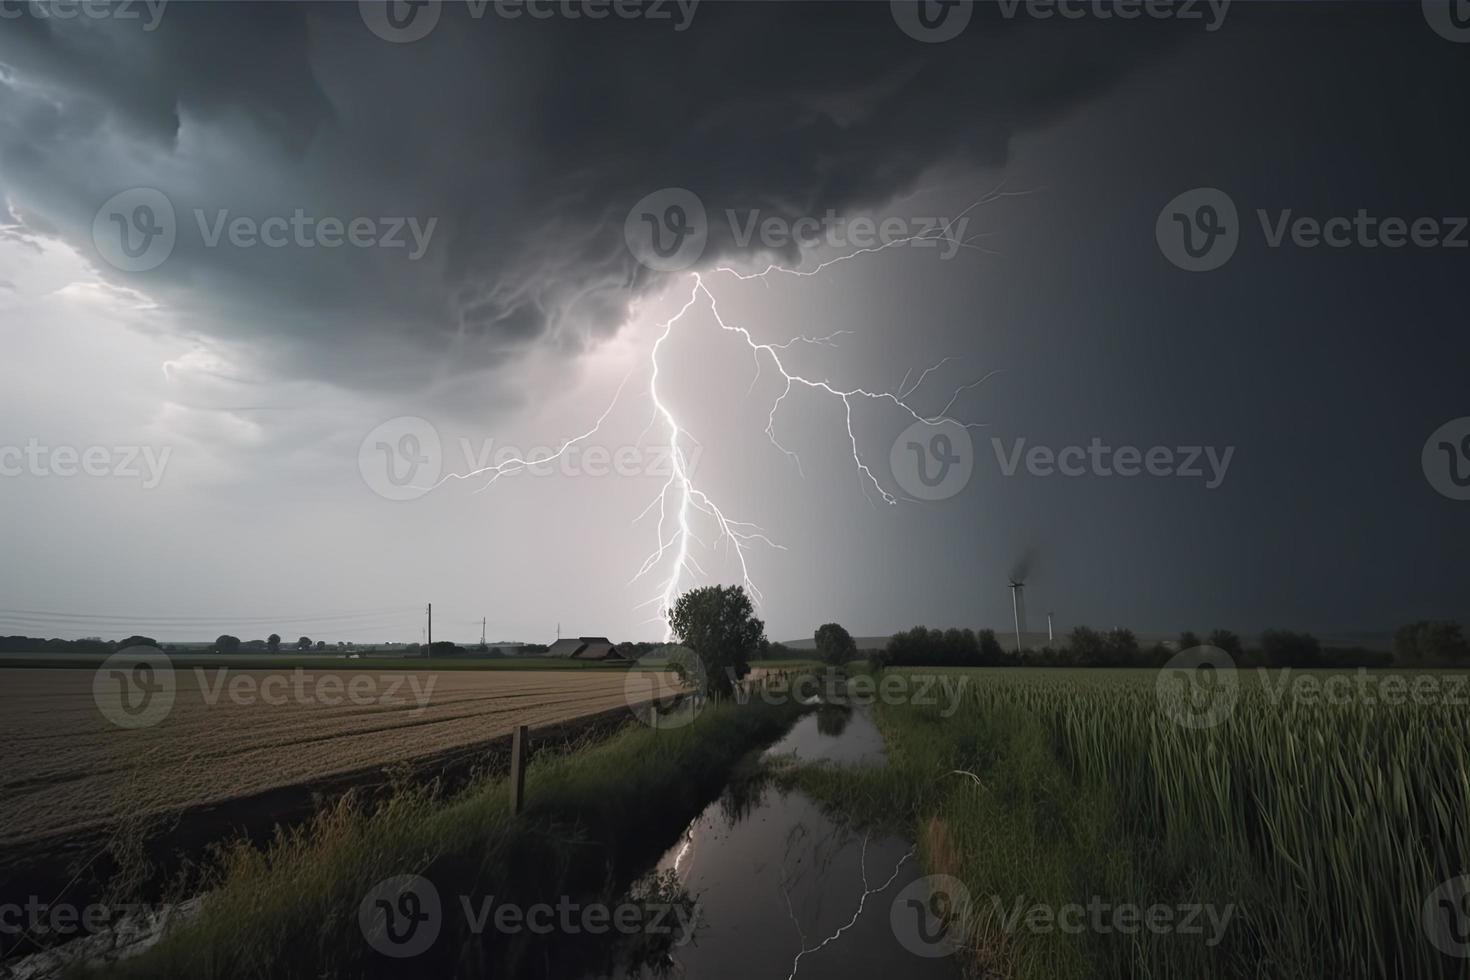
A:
1325	825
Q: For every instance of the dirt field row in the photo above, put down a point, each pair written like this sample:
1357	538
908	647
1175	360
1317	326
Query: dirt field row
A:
69	765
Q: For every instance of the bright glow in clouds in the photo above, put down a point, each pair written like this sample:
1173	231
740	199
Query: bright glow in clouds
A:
680	494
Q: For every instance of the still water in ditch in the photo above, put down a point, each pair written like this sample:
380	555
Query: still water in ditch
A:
783	891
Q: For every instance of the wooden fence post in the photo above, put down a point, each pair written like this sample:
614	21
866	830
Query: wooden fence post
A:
518	748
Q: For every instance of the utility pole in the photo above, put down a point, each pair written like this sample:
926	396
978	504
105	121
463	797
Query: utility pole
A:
482	630
431	630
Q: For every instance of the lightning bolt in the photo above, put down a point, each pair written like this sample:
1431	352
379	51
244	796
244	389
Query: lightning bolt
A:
862	902
679	500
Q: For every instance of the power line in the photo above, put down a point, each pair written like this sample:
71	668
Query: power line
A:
42	616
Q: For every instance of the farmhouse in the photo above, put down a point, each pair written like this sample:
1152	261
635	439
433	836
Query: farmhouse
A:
584	648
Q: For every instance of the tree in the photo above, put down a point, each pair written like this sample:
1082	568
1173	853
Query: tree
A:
991	652
227	644
835	645
137	641
1227	641
1188	640
1283	648
1430	643
321	645
273	642
718	622
304	643
1087	645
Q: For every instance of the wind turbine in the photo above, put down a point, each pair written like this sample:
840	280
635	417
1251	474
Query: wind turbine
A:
1018	608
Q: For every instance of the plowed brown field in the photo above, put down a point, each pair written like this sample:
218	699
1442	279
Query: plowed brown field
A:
67	767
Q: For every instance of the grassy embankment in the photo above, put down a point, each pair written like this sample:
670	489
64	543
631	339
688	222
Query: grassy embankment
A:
593	819
1326	825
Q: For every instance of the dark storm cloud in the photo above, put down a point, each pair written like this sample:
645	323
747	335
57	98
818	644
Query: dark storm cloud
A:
526	142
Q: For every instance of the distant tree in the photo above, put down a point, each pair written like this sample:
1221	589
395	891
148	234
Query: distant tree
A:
718	623
778	651
1122	647
1430	643
1086	645
444	648
411	648
137	641
835	645
1227	641
991	652
273	642
1284	648
304	643
1188	640
226	643
321	645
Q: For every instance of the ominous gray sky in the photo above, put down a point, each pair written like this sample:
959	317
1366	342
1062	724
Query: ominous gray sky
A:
517	147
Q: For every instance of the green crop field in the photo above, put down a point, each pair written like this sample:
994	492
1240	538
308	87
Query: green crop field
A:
1325	810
